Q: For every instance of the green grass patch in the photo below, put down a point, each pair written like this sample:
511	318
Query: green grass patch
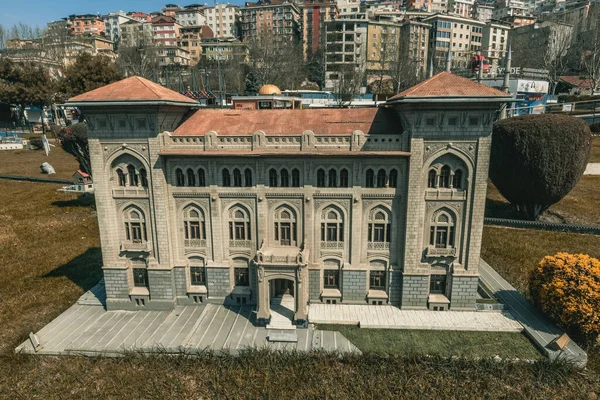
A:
438	343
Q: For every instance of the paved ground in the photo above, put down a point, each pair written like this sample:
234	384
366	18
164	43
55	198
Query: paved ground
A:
391	317
592	169
537	326
90	329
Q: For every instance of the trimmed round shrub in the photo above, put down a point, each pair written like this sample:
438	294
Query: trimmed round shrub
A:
567	288
537	159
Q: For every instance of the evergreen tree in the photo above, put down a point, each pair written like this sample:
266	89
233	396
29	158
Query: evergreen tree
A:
252	84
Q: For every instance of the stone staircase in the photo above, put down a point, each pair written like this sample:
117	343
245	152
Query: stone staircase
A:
282	312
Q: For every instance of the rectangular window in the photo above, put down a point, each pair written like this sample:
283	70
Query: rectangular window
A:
242	277
331	279
136	232
140	277
332	232
437	284
379	232
197	276
195	230
377	280
240	233
441	237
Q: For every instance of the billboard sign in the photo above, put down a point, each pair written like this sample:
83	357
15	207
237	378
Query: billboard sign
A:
532	86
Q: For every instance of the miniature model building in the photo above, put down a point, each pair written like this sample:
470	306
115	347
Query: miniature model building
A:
348	206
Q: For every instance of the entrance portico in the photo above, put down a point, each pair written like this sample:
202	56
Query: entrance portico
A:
282	271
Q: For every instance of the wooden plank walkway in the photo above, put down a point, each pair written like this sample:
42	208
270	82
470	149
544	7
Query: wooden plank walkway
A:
89	329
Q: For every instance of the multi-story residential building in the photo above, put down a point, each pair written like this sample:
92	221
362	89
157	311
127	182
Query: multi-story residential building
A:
190	39
346	50
192	15
173	55
348	7
438	6
165	31
494	42
276	17
463	8
315	14
461	36
414	44
170	10
509	8
537	44
223	20
583	16
112	23
224	49
383	46
136	33
140	16
86	24
353	206
483	11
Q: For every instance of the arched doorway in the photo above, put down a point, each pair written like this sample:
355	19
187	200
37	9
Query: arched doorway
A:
282	303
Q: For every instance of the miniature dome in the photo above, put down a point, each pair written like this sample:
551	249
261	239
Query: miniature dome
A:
269	89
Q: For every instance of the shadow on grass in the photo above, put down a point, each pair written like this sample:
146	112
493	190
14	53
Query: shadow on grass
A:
500	209
85	270
84	200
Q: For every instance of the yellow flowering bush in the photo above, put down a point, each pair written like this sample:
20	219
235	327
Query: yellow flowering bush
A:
567	288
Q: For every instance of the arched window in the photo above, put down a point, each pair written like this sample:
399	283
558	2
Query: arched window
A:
135	225
248	177
295	178
332	226
457	179
285	178
144	177
321	177
201	178
121	177
441	233
191	177
179	178
133	178
239	224
285	227
272	177
381	178
393	183
344	178
431	178
370	181
237	178
380	228
445	177
194	226
226	177
332	178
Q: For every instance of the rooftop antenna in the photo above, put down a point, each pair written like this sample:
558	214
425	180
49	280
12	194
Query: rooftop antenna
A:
449	61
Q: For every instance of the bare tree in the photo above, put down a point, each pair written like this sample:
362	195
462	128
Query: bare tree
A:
277	60
139	60
2	37
350	79
590	56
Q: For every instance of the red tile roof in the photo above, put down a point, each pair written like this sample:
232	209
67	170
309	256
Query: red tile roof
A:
446	84
324	121
132	89
577	81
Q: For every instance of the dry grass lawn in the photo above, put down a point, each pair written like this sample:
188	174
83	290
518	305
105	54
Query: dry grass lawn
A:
595	156
27	162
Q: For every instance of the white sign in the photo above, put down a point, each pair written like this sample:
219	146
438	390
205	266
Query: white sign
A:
530	86
513	70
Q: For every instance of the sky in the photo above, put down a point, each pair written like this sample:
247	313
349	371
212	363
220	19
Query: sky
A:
40	12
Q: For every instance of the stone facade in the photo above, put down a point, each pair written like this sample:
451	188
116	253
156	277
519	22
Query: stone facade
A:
388	208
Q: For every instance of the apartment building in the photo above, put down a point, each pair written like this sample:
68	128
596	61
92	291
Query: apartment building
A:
192	15
383	46
112	24
461	36
165	31
483	11
224	49
170	10
346	7
140	16
463	8
509	8
315	14
173	55
223	20
86	24
136	33
346	48
277	17
190	39
414	43
494	42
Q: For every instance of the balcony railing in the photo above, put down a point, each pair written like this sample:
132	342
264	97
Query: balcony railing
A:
441	251
332	245
378	246
245	244
195	243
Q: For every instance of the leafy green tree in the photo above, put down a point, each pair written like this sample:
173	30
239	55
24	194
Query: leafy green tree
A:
74	140
25	85
88	73
537	159
252	85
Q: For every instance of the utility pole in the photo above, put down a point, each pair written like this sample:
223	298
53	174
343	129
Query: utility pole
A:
449	61
506	83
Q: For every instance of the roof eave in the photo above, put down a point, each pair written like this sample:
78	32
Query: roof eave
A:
104	103
453	99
